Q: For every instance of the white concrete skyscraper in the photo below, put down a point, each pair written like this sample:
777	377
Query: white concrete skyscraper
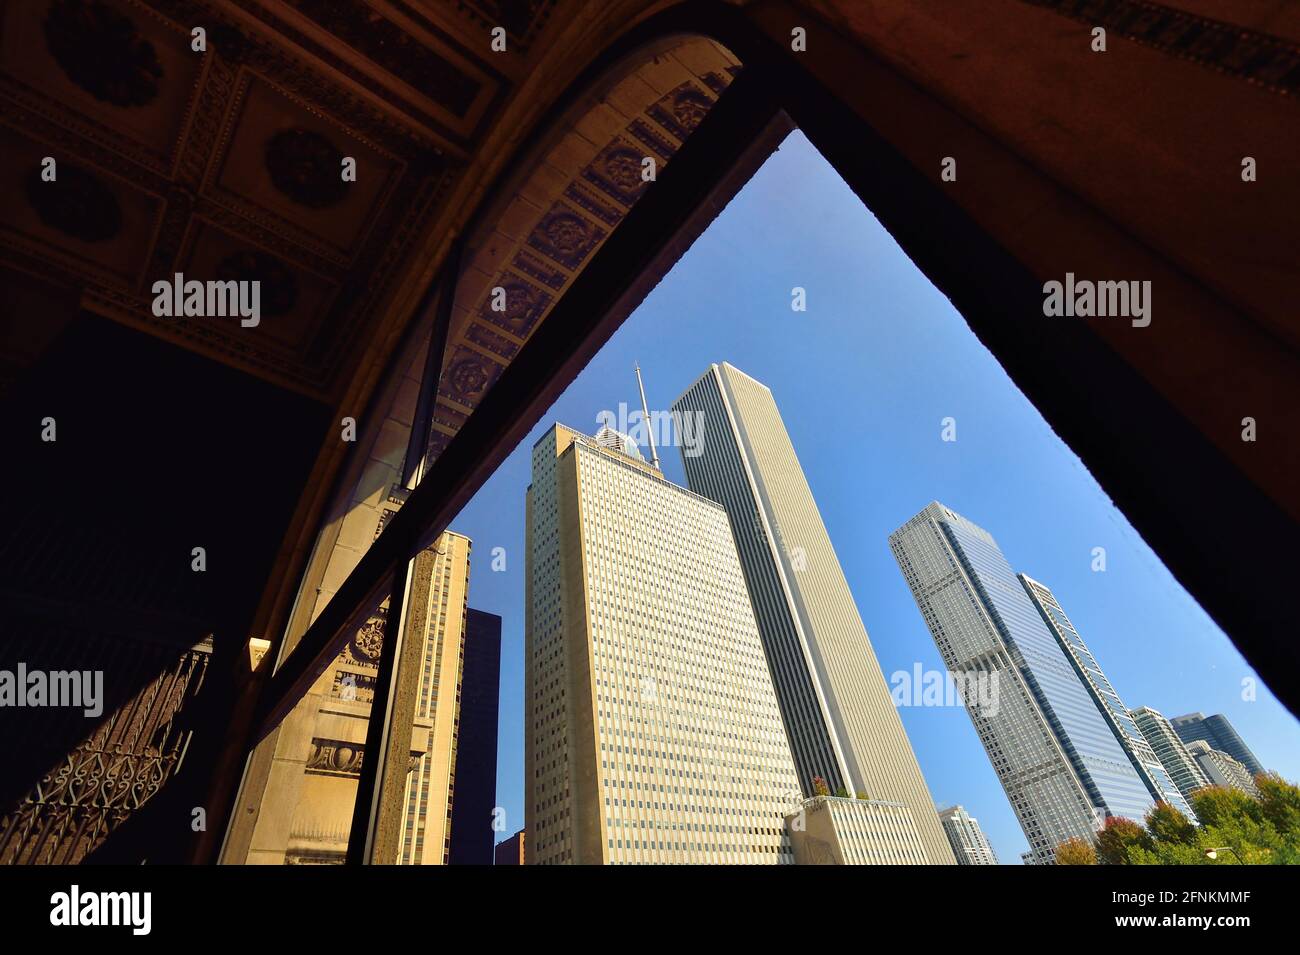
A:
1060	764
969	844
838	712
652	732
1221	769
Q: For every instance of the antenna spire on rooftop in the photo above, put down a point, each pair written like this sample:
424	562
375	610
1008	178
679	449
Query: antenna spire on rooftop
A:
649	429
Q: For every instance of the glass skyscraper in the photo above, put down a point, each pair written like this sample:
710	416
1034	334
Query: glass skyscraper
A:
1157	779
1219	733
1060	764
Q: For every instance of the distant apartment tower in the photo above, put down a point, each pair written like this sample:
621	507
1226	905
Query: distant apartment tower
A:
511	851
475	780
1058	761
969	844
1221	769
652	733
1150	770
836	706
1170	750
1219	733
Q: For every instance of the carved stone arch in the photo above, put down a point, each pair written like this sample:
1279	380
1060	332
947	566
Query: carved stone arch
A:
565	197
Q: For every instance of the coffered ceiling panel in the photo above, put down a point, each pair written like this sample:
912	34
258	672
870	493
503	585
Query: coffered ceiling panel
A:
124	77
227	162
88	221
281	165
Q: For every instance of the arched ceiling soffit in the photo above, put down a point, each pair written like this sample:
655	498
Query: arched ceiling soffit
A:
565	205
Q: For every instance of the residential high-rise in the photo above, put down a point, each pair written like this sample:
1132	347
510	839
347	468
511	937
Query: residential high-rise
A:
1062	768
652	732
1171	750
838	713
1219	733
475	778
969	844
1145	762
1221	769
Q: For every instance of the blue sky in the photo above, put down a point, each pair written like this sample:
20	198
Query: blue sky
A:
864	379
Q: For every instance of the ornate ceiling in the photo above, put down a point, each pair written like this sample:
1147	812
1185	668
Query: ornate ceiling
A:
574	193
225	164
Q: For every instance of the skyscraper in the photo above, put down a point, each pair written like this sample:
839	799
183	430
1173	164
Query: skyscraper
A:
426	839
969	844
1219	733
1145	762
1172	752
321	748
841	721
652	732
1221	769
1058	761
475	778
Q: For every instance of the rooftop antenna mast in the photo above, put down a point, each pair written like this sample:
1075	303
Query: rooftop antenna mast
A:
649	428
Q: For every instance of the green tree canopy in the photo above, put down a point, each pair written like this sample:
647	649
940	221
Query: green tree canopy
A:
1117	836
1237	827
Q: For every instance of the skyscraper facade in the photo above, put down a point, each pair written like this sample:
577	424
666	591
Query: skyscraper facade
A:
969	844
1219	733
475	780
652	733
426	838
1221	769
1058	761
320	750
1145	762
1171	750
841	721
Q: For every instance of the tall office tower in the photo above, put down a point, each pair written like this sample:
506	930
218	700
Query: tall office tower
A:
322	743
1057	759
426	838
475	779
969	844
1145	762
1218	732
838	713
1221	769
1170	750
652	732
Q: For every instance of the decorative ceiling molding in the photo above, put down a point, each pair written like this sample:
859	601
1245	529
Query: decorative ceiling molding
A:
578	191
1258	58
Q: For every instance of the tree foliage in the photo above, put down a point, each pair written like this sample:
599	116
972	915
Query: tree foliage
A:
1117	837
1240	829
1076	851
